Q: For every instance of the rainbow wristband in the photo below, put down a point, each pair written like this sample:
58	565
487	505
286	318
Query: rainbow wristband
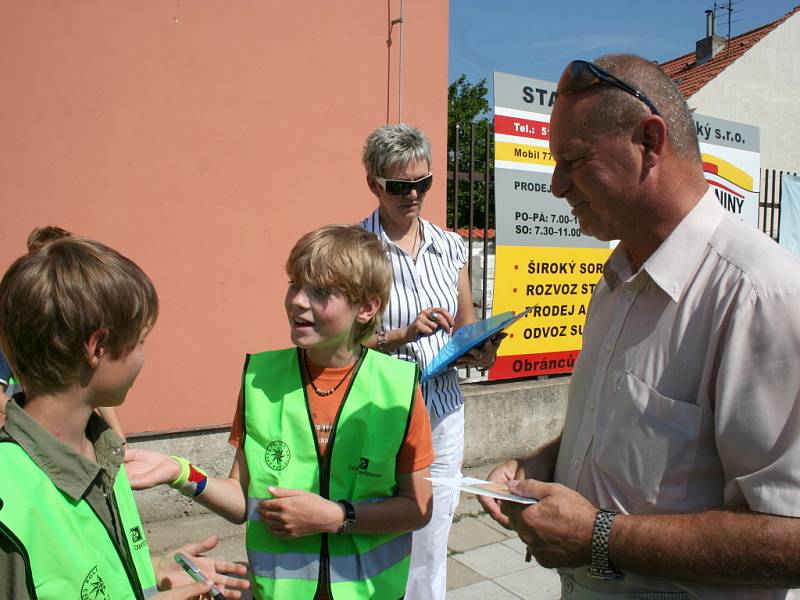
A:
192	481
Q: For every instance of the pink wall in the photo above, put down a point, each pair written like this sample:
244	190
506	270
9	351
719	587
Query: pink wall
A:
201	139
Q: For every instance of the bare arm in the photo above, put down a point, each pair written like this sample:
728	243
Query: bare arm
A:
409	510
721	547
296	513
226	497
725	546
427	322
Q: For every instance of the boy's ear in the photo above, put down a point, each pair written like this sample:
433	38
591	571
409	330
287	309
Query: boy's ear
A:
95	347
368	310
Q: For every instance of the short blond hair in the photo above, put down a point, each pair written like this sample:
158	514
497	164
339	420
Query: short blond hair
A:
52	300
346	258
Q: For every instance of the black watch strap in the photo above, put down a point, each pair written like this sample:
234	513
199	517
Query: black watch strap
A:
601	536
349	517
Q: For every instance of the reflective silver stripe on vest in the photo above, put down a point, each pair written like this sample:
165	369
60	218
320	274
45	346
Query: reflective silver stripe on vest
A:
151	591
284	565
352	567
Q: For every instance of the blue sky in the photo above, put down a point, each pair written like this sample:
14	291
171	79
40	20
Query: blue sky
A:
536	39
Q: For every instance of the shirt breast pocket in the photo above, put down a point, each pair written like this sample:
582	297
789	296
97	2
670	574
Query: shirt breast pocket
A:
647	447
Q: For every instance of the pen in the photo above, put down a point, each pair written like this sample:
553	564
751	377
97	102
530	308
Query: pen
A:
527	555
196	574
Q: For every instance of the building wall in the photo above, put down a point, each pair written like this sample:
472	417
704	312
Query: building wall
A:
760	89
201	139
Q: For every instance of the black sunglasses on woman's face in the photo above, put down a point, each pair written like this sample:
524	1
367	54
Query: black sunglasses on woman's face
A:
402	187
580	74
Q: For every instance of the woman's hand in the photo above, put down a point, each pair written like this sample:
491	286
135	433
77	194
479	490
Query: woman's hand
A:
295	513
148	469
428	321
170	575
484	356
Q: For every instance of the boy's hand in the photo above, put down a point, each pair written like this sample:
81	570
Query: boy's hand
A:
147	469
295	513
169	574
196	589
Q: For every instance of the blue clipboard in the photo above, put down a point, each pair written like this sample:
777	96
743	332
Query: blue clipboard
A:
467	338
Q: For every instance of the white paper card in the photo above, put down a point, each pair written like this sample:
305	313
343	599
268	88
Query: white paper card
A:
481	487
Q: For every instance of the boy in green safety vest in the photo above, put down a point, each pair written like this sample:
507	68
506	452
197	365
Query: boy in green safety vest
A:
73	318
9	385
333	439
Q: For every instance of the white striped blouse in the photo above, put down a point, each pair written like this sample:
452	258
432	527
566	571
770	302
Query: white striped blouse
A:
430	281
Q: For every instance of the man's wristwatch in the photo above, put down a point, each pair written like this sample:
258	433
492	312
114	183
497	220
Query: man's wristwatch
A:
383	346
601	535
349	517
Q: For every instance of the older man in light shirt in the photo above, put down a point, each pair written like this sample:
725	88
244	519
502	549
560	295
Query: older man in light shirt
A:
677	474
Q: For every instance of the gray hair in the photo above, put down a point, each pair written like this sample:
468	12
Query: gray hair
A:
393	145
620	112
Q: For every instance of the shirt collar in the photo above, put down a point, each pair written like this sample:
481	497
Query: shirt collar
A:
429	240
69	471
674	261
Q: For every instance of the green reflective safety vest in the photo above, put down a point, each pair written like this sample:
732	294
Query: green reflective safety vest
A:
281	450
67	550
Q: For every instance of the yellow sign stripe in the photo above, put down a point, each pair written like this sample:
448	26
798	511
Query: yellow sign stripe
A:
523	153
730	172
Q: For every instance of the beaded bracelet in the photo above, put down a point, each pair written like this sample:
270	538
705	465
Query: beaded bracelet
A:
191	481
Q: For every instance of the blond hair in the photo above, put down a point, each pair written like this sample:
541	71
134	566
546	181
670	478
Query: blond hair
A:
345	258
52	300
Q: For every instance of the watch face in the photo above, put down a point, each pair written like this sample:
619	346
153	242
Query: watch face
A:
348	525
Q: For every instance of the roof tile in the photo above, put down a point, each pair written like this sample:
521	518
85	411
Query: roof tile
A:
691	77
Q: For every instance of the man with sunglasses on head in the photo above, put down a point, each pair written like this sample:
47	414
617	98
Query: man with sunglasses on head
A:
677	473
431	297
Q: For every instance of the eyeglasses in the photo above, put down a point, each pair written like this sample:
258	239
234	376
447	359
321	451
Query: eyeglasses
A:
580	74
403	187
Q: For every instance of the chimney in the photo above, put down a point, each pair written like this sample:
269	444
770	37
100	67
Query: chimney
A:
709	46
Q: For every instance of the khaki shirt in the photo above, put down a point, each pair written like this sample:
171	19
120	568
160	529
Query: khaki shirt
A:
73	474
685	394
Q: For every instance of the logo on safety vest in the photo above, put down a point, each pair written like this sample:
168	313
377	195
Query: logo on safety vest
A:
277	455
94	588
136	534
363	468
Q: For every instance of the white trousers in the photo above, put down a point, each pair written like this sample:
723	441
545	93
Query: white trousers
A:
427	577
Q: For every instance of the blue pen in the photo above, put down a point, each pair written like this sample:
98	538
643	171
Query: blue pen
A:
196	574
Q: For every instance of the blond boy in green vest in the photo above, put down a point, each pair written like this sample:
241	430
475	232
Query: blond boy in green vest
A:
333	440
73	319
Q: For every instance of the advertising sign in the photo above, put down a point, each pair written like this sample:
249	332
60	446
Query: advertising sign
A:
731	162
542	258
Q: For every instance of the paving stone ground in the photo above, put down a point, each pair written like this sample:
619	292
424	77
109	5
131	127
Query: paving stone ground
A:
485	560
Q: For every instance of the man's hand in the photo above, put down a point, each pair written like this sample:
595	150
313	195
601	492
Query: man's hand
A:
558	529
148	469
169	573
295	513
501	474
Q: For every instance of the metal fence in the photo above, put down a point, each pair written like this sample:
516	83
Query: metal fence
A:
769	203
